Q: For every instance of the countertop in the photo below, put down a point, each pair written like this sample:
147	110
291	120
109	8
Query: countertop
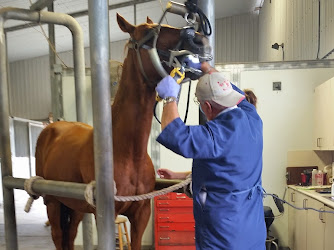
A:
310	191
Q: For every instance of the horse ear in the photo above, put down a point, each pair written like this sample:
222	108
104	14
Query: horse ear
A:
124	25
149	20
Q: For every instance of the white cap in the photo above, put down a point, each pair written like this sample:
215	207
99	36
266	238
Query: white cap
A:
215	87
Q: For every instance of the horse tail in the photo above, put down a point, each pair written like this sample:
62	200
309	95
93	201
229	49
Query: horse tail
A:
65	220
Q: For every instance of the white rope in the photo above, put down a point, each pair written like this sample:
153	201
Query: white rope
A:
90	189
89	193
155	193
33	195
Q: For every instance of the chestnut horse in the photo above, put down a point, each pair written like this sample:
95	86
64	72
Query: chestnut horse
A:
64	150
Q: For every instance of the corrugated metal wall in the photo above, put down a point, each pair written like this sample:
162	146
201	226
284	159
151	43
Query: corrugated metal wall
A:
296	24
29	88
237	38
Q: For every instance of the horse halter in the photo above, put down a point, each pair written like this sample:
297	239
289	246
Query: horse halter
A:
187	35
152	51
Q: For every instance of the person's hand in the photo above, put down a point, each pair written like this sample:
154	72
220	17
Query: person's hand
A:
166	173
207	68
168	87
192	62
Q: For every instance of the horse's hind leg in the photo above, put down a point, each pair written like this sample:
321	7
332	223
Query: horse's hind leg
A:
64	224
138	216
75	218
54	214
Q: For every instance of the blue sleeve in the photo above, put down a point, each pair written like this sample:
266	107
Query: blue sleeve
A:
194	142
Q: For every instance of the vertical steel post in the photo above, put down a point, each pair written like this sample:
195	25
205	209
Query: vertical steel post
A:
99	51
52	62
208	8
5	154
87	232
30	150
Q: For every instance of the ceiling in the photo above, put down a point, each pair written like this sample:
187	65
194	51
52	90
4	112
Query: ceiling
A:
30	42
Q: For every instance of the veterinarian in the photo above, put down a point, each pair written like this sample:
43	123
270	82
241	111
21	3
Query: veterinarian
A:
227	162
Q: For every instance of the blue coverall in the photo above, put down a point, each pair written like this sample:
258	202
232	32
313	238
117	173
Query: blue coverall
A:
226	176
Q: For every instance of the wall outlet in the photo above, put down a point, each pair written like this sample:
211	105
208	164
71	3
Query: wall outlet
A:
277	86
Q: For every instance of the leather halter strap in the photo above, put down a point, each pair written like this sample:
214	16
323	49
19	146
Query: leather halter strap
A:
152	51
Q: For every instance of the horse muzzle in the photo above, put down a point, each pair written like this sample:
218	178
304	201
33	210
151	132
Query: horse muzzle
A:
197	44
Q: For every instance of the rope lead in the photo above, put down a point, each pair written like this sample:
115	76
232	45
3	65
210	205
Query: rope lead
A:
28	188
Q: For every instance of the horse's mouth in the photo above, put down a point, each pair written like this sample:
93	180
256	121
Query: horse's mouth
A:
202	49
198	47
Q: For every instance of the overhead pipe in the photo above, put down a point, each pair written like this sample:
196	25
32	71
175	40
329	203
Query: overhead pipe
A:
179	9
82	13
79	71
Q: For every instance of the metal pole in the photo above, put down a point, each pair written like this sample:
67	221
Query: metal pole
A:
99	51
208	8
52	62
79	64
5	153
82	13
78	46
30	150
87	232
56	188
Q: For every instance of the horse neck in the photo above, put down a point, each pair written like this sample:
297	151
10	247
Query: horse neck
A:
133	108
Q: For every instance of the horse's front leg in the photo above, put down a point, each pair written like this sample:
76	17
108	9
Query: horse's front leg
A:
138	217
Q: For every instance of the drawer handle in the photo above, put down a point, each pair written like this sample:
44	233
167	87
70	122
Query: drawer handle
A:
321	215
165	203
181	197
164	226
164	209
162	238
305	203
164	218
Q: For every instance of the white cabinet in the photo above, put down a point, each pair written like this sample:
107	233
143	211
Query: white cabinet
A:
323	134
315	225
292	218
329	229
297	221
309	229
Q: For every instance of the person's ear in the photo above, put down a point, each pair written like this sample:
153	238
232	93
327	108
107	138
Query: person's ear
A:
208	110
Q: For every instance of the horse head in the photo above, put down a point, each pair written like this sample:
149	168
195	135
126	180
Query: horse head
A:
160	47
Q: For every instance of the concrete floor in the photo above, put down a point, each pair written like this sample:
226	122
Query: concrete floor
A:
31	229
32	232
